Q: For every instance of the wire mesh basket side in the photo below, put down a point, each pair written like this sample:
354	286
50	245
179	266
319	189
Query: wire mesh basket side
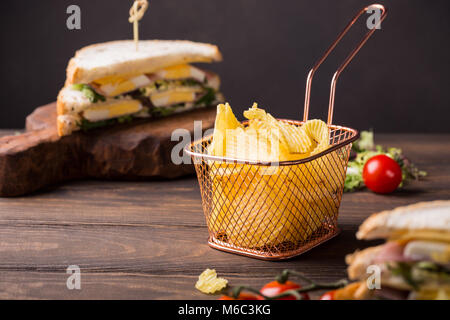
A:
272	212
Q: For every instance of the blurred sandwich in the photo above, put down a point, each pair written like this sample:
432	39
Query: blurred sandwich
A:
111	82
414	261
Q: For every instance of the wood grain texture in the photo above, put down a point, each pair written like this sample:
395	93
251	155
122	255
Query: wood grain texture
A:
147	240
141	150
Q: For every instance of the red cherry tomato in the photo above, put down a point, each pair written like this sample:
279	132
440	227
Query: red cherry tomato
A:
274	288
382	174
242	296
330	295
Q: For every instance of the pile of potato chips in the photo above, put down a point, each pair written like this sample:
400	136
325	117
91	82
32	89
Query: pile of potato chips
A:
255	205
265	138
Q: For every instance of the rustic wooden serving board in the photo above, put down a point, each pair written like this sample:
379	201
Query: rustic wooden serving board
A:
137	151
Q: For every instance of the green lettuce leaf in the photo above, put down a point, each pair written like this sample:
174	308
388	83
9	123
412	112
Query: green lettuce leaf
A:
89	93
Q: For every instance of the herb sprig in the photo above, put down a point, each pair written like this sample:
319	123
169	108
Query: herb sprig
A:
89	93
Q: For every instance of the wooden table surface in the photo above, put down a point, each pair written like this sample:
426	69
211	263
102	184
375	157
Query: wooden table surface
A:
147	240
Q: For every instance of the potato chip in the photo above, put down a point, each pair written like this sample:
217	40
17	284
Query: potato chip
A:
208	282
225	120
297	139
319	132
255	113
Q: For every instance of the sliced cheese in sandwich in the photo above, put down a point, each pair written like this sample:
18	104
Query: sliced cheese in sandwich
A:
112	109
182	71
429	219
174	96
115	85
427	250
442	293
423	234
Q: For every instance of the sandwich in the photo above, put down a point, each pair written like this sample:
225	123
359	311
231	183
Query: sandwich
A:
109	83
415	260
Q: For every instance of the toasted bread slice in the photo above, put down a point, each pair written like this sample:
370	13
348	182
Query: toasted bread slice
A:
433	217
121	58
360	260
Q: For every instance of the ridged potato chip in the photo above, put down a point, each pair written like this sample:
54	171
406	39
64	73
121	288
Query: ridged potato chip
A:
319	132
225	121
208	282
255	113
297	139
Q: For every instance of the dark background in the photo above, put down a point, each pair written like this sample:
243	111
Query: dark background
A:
397	83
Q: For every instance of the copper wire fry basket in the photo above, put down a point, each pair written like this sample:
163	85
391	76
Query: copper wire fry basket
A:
289	211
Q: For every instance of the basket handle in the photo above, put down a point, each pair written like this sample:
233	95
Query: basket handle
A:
344	64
